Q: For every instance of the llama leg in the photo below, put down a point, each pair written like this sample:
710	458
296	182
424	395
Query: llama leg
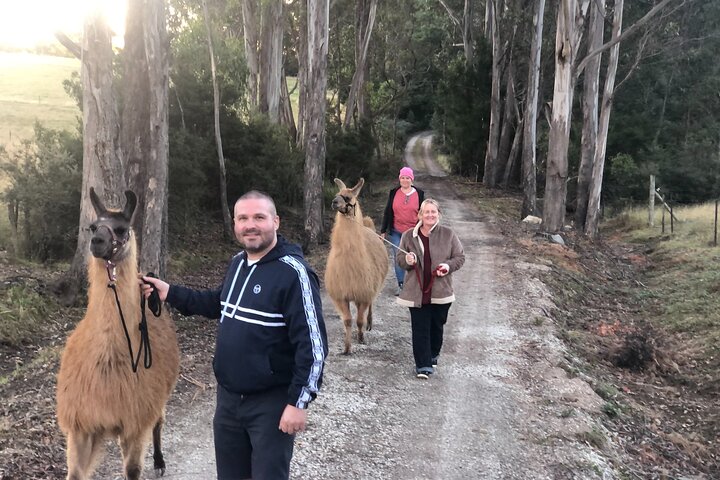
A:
362	309
132	453
369	318
158	460
81	451
343	309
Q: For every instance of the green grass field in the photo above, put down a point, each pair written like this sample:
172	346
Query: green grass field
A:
31	90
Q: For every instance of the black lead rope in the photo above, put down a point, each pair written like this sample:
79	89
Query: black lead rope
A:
156	308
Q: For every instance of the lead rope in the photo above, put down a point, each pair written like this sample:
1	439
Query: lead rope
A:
155	307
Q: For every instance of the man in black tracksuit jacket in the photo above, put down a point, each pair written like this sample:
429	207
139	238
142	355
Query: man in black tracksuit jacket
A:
271	345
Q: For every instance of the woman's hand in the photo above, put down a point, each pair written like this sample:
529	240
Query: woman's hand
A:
410	258
442	270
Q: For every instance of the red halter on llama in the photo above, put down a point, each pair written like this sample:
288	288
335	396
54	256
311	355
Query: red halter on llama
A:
99	395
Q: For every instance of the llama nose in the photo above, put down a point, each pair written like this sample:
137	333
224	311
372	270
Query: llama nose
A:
97	241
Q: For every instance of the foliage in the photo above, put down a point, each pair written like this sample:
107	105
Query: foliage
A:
665	116
350	153
461	113
625	182
45	176
23	311
260	155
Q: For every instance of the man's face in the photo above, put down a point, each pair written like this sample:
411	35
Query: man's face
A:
256	224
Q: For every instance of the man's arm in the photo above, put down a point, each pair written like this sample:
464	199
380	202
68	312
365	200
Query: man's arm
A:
307	335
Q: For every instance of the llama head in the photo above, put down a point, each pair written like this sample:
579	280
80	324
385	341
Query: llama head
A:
346	198
112	228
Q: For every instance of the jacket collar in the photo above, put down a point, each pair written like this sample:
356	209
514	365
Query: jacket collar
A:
416	229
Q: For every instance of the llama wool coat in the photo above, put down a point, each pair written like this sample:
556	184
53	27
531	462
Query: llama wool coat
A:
271	330
445	247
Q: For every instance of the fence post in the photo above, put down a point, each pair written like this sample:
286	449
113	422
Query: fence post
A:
651	204
672	224
663	222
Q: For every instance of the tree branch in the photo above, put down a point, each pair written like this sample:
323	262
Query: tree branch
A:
653	11
453	17
69	44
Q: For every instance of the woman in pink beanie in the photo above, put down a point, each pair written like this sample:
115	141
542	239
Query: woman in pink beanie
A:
401	215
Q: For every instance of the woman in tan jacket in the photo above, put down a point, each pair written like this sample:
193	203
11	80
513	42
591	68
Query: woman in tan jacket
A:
434	252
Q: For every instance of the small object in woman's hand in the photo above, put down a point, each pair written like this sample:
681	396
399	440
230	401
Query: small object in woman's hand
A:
441	270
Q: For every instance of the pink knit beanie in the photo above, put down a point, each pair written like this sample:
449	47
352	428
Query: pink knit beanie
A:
407	172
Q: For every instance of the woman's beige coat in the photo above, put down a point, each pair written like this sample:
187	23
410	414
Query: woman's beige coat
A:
445	247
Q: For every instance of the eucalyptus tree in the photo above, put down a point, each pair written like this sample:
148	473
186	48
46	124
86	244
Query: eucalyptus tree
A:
102	159
318	13
529	162
570	20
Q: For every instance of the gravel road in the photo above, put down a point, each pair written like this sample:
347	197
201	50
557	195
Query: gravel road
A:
499	406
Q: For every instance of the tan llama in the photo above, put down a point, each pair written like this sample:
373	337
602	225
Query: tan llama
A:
357	263
98	394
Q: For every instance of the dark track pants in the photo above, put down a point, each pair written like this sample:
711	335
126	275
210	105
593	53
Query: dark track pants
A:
248	442
428	322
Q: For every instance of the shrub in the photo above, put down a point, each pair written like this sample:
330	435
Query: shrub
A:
43	198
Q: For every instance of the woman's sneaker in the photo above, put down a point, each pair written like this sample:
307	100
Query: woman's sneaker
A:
424	373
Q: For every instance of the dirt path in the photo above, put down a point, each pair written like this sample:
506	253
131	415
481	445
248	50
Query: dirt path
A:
499	406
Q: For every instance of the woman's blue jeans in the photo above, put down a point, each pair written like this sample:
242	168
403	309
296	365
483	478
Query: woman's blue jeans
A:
395	240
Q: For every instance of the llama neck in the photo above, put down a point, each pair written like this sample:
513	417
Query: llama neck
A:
346	230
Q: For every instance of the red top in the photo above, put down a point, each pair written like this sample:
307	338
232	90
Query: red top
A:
405	210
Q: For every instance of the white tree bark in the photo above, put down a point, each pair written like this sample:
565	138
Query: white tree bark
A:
227	218
317	49
364	31
570	19
271	58
491	154
531	105
153	256
590	112
250	34
593	216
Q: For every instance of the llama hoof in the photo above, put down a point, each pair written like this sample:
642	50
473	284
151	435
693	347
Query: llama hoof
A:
159	472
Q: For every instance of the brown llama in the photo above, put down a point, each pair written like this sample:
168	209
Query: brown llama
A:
357	263
98	395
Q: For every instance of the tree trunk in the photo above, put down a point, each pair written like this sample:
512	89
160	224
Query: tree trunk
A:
569	23
250	20
511	168
491	154
508	125
318	37
302	74
590	113
134	132
153	256
364	22
531	110
102	167
593	216
286	112
227	218
467	32
271	58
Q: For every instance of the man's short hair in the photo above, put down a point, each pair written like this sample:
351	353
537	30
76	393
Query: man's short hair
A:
258	194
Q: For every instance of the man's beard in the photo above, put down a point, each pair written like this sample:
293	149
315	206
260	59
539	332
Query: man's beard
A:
265	242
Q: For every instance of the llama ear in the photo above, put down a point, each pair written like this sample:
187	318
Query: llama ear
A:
97	203
340	184
130	204
356	189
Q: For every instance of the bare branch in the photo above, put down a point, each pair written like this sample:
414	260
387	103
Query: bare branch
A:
453	17
69	44
653	11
